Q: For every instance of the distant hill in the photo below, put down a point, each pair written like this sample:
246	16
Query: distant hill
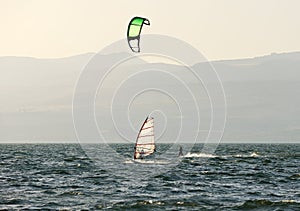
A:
262	96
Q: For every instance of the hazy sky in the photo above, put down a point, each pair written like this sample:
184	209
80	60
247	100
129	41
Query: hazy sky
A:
219	29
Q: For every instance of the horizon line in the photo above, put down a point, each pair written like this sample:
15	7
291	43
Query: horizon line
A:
94	53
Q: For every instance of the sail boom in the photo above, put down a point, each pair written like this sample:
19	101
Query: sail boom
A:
147	128
146	136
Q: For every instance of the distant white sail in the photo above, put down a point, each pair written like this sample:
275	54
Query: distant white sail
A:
145	145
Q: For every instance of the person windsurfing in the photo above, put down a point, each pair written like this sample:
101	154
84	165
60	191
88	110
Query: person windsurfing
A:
142	154
180	151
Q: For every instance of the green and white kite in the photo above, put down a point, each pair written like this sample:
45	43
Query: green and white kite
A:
134	32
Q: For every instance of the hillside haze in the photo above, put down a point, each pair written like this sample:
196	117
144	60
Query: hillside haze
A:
262	95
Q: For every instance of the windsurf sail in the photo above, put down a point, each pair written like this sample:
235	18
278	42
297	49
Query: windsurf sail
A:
134	32
145	145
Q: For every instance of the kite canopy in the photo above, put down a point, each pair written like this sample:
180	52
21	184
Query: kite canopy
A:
134	31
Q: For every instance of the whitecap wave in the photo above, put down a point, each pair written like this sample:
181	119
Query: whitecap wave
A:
152	161
253	154
199	155
128	161
289	201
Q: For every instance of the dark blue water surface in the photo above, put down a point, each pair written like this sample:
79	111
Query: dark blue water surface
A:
236	177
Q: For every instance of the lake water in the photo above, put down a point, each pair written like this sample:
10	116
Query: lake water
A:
66	177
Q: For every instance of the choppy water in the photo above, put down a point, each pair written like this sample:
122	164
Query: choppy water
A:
236	177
